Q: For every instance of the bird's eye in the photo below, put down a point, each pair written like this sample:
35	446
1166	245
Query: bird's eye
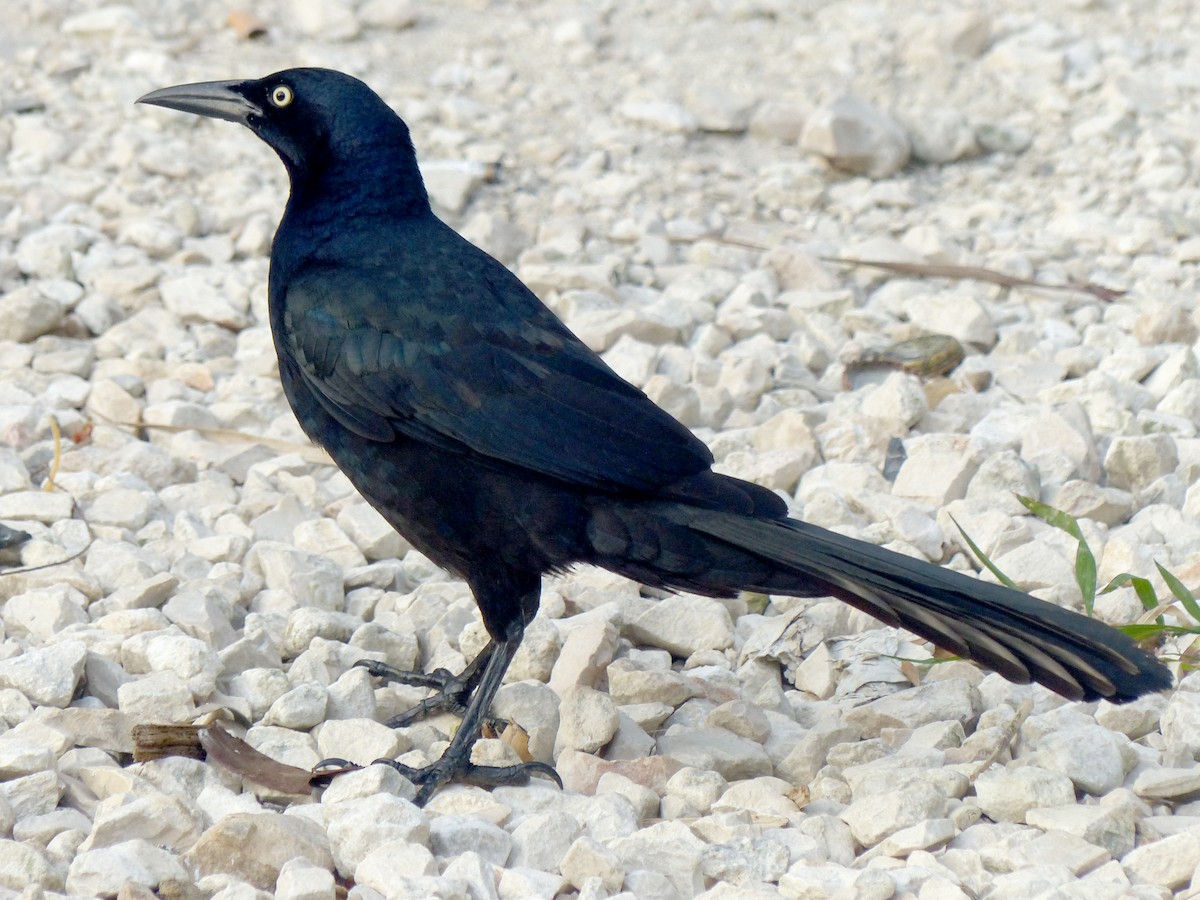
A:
281	95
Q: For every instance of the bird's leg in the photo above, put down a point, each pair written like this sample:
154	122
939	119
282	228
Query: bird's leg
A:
452	693
455	763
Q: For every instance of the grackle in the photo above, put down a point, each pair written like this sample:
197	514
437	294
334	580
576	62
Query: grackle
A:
504	449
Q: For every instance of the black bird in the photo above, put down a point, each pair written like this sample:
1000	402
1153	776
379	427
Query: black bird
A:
503	448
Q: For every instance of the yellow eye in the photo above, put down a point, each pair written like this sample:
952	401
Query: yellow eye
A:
281	95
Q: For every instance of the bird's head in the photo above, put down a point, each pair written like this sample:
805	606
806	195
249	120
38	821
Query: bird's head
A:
313	118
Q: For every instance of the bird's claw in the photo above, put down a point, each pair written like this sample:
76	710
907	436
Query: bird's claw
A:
436	679
433	776
451	693
447	769
327	769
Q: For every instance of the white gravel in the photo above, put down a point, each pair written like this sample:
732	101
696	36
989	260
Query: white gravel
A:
668	178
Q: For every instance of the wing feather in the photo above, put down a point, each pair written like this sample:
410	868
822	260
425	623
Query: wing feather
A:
513	385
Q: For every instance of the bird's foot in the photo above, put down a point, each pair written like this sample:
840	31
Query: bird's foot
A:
451	767
433	777
475	688
451	693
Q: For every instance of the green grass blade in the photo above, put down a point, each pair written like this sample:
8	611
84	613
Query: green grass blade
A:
1186	598
1051	516
1151	629
1141	586
1085	561
1085	576
983	558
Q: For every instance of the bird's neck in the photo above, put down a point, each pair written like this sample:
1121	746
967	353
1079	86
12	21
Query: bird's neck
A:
336	207
386	186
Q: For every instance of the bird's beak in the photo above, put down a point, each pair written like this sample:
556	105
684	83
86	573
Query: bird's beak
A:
215	99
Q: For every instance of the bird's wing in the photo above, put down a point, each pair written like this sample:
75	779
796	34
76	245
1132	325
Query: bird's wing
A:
511	384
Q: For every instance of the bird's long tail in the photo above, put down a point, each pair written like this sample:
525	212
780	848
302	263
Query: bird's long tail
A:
1020	637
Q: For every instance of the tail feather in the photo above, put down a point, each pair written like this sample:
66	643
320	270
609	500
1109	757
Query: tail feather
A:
1020	637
